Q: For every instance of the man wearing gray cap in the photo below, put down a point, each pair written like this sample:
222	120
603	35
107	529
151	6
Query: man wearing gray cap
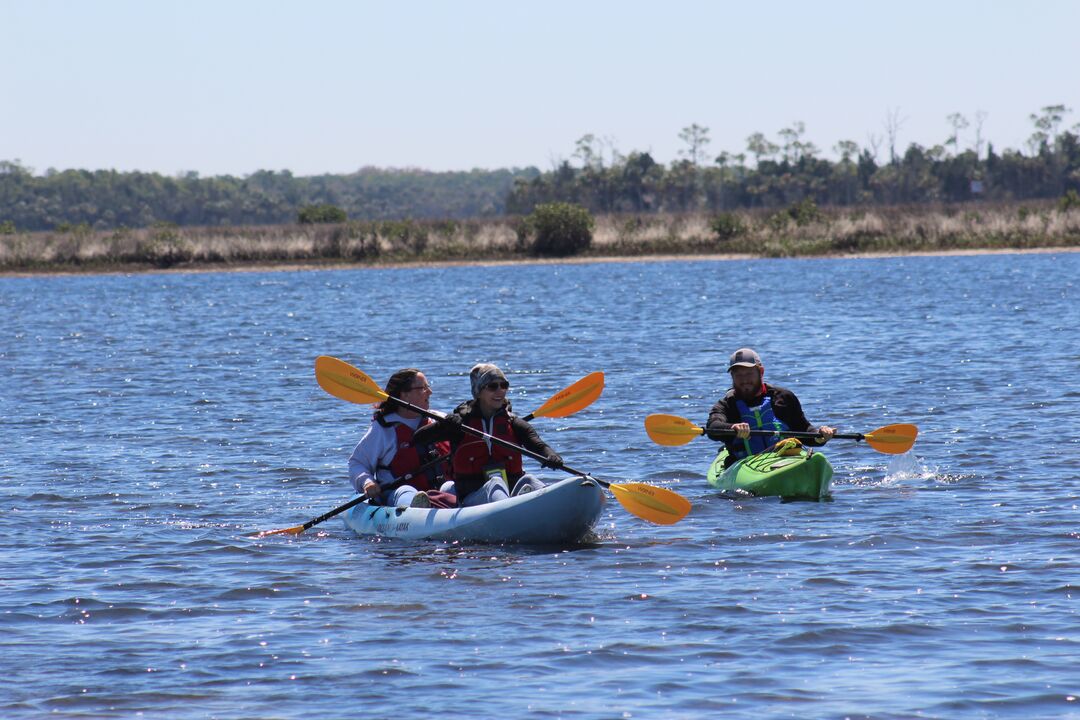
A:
484	471
753	404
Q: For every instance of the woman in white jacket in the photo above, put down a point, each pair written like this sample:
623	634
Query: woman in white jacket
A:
386	465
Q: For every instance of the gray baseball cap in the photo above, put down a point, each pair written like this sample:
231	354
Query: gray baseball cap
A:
744	357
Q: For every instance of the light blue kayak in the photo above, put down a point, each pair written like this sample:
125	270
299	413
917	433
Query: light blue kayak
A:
561	513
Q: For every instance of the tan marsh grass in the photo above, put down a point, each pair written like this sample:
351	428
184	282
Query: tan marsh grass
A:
830	231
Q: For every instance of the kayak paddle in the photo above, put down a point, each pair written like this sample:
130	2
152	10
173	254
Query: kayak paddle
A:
673	430
655	504
567	401
296	530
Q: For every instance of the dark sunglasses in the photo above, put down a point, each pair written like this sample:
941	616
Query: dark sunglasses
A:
497	385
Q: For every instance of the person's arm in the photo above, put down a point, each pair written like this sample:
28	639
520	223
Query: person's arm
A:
448	428
529	439
376	448
789	410
723	418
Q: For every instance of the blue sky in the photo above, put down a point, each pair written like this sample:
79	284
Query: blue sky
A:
328	86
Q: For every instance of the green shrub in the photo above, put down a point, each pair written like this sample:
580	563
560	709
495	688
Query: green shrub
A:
446	228
364	240
804	212
561	229
630	227
7	228
163	246
317	214
521	228
727	226
1069	201
778	221
81	229
405	235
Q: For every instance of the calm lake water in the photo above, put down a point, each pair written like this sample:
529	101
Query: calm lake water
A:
150	423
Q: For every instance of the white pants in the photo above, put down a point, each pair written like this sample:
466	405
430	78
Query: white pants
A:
493	490
401	496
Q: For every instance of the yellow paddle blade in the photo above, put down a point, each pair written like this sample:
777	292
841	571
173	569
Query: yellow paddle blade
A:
571	399
655	504
893	439
342	380
284	531
671	430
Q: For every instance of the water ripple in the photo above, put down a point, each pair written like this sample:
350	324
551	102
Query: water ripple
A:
153	423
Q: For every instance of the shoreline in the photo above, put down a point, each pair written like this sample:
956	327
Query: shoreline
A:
294	266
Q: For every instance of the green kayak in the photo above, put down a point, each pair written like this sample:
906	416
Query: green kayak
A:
805	476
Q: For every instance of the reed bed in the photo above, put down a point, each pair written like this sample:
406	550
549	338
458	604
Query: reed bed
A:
758	233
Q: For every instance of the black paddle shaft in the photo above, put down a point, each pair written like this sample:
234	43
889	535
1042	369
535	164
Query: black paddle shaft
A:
499	441
797	434
357	500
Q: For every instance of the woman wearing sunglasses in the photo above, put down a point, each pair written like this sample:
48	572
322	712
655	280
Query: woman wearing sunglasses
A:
484	471
388	465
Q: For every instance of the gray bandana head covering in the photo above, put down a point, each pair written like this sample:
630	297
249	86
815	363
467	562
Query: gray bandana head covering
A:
482	374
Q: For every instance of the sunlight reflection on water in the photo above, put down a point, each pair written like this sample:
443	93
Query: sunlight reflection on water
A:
153	422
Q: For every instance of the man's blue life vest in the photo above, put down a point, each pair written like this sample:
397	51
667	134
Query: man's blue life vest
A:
759	418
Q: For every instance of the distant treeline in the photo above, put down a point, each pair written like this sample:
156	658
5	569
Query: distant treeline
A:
788	172
768	175
107	199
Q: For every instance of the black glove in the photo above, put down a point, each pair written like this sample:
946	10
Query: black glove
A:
552	460
451	422
445	428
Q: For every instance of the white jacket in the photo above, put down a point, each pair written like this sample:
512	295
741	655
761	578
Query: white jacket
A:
370	459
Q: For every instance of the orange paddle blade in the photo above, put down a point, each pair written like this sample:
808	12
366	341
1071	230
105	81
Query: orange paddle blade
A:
573	398
342	380
284	531
671	430
893	439
655	504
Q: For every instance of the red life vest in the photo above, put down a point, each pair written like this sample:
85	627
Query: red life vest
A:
472	456
408	457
